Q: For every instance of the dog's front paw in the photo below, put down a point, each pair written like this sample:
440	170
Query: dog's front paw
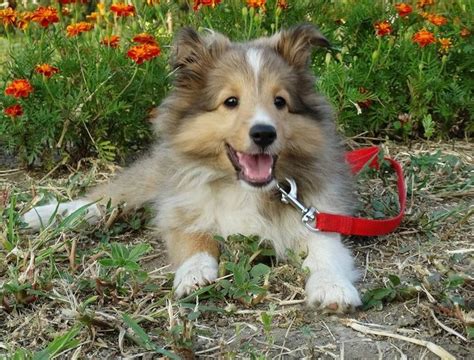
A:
198	270
331	293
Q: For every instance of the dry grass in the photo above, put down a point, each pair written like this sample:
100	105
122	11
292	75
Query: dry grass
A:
60	298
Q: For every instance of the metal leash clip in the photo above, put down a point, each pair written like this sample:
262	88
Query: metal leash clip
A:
308	214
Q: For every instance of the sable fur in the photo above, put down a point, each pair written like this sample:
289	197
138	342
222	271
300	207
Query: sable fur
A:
192	183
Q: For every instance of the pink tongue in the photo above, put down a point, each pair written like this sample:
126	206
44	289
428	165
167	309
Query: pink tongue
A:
257	167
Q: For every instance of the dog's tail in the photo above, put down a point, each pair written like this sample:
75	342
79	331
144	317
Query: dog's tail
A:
132	188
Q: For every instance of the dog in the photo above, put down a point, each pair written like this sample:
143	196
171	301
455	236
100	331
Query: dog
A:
241	118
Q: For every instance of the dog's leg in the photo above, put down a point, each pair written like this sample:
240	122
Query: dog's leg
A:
332	273
133	187
195	258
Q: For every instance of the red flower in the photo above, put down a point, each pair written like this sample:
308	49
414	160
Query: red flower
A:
19	88
13	111
437	20
256	4
282	4
403	9
80	27
143	52
46	70
144	38
423	37
211	3
45	16
121	9
8	16
111	41
383	28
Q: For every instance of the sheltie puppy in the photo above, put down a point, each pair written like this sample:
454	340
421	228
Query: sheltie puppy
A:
240	118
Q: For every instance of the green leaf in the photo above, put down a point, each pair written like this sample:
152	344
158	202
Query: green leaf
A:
395	280
108	262
138	250
118	251
259	270
380	294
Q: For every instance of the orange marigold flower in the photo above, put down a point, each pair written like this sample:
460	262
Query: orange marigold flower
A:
24	20
80	27
422	3
143	52
403	9
437	20
383	28
211	3
19	88
45	16
282	4
111	41
256	4
46	70
423	37
464	32
445	44
93	16
13	111
144	38
121	9
8	16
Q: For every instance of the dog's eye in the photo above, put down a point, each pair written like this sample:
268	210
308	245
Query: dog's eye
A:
231	102
279	102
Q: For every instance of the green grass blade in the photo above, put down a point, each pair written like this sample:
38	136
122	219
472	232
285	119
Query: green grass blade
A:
145	340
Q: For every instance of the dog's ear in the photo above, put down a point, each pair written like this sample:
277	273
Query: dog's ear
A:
193	54
295	45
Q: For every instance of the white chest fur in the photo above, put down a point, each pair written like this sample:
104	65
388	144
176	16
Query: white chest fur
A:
232	210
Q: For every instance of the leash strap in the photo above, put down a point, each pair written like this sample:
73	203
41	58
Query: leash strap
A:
349	225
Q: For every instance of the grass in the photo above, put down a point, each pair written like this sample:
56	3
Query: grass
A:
78	291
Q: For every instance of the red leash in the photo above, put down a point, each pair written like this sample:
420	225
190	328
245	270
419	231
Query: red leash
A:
348	225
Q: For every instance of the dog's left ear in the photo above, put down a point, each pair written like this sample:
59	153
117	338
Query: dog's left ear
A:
295	45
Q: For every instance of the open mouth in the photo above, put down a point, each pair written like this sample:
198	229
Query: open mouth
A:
255	169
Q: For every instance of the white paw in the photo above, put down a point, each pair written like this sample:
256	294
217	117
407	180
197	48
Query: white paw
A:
41	215
331	293
198	270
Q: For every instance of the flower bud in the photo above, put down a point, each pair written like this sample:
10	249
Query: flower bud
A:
245	11
375	55
328	58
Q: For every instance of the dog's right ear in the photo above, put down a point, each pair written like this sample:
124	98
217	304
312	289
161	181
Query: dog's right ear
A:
193	54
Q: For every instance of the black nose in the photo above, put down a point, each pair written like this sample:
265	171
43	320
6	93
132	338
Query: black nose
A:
263	135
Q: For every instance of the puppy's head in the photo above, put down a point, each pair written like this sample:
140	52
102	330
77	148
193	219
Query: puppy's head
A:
246	110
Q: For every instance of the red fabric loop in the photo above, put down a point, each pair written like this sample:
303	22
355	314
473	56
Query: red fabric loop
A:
349	225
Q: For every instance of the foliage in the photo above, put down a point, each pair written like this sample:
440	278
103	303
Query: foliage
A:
394	289
122	267
380	81
96	101
391	84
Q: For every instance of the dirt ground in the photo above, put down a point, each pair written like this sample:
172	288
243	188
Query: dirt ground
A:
417	282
